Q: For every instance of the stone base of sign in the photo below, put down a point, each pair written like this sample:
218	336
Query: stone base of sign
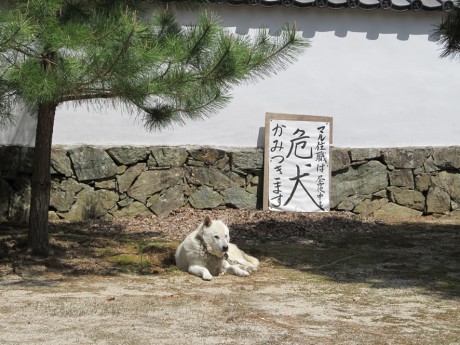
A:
103	182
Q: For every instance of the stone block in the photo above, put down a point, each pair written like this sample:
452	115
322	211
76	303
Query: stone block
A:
170	200
223	164
247	160
447	157
60	162
16	159
20	200
237	179
407	197
209	176
194	163
239	198
91	163
369	206
381	194
349	203
104	200
169	157
107	184
125	180
134	209
90	204
422	182
207	155
205	198
437	201
340	159
63	194
121	169
128	155
125	202
365	154
449	182
252	185
406	158
154	181
429	166
396	211
402	178
53	216
364	179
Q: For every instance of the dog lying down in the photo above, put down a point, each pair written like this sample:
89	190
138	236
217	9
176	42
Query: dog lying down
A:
207	252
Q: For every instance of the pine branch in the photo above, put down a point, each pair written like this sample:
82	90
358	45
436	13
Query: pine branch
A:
221	59
88	95
447	34
205	28
7	100
123	50
291	43
9	39
202	108
198	43
19	48
165	71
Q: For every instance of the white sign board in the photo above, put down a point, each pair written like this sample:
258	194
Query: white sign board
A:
297	170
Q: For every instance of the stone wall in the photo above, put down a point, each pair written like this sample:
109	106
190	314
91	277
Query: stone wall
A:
94	182
401	182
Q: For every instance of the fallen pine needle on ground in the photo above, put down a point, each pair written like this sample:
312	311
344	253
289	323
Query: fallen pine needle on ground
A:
330	278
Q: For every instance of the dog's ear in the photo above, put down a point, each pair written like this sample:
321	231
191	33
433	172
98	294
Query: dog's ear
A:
207	221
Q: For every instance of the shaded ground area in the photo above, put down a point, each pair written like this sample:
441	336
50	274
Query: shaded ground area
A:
324	279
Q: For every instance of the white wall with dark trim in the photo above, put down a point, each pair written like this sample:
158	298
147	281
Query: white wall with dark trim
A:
377	73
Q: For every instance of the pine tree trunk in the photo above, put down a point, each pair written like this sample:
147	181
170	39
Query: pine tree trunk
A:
38	241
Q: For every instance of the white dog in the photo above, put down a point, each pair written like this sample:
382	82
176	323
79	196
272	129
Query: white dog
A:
207	252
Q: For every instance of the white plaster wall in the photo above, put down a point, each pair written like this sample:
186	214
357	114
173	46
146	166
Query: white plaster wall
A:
377	73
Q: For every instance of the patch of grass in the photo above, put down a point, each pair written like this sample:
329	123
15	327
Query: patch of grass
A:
446	284
125	259
143	257
79	250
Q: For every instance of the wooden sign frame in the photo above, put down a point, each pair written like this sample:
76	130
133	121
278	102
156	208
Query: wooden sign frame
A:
273	144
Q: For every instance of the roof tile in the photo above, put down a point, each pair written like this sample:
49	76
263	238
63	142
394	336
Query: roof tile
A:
396	5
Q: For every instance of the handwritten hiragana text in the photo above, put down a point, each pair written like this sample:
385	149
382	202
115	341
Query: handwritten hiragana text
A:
277	145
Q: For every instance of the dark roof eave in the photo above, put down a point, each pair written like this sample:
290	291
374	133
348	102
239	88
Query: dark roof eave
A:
395	5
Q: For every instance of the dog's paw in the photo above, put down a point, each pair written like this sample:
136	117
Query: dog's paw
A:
250	269
237	271
242	273
207	276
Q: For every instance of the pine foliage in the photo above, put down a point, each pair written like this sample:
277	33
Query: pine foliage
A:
101	52
447	33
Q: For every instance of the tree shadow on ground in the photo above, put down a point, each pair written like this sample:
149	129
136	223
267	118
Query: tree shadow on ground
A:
380	254
85	248
414	254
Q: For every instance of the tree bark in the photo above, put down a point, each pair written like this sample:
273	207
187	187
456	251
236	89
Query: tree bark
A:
38	241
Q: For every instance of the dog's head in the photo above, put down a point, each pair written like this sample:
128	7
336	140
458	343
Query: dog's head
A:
215	236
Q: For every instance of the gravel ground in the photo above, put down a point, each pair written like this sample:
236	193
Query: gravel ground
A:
324	279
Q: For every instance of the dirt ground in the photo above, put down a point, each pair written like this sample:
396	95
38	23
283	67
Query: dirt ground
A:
324	279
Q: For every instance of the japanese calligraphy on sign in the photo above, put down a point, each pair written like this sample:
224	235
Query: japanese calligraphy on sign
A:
297	163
